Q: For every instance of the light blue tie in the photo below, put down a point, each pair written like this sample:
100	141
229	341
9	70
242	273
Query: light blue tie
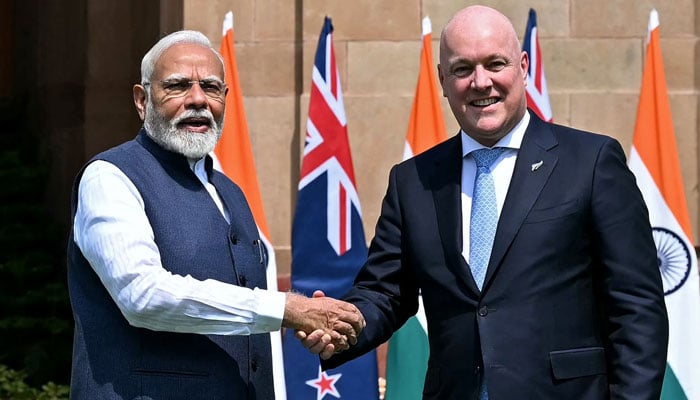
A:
484	218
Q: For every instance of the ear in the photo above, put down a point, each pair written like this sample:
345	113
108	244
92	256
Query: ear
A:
441	78
139	93
524	65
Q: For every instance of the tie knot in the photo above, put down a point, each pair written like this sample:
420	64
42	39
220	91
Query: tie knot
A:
485	157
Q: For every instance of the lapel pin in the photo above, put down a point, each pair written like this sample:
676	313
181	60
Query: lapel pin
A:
534	167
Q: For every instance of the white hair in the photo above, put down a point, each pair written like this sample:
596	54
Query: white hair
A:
193	37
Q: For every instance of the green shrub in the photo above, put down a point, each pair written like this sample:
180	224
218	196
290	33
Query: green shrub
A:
13	387
35	315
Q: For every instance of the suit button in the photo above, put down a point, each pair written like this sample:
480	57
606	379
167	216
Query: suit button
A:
483	311
254	365
234	238
477	370
243	280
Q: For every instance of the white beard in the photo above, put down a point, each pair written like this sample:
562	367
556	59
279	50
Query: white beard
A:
193	145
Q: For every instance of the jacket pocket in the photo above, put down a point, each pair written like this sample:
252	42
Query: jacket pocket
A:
574	363
549	212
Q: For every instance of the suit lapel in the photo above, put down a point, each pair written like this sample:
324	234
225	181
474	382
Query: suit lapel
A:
533	167
446	185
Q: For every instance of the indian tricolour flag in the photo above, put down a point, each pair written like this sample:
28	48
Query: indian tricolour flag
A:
654	161
233	156
407	356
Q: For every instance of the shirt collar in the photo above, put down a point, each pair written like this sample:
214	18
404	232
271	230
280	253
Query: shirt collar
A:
512	140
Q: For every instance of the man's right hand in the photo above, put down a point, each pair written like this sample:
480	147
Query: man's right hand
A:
323	324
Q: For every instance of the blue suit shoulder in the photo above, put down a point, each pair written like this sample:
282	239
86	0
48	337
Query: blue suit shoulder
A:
566	134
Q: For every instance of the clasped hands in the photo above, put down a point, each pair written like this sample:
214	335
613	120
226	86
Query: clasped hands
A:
324	325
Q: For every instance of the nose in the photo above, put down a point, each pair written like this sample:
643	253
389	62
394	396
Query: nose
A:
480	78
195	98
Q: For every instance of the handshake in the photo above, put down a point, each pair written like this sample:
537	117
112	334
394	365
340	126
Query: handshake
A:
324	325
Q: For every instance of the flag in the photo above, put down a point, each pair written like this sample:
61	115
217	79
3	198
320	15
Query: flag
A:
536	91
407	359
233	155
426	127
328	242
654	161
407	356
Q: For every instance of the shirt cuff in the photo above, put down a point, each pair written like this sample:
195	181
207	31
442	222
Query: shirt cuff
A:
270	309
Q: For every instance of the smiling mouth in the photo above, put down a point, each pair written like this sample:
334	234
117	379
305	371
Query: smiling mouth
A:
196	124
485	102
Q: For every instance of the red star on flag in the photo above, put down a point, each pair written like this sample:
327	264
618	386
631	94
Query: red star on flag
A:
325	384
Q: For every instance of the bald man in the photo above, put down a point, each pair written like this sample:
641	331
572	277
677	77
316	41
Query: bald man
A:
568	301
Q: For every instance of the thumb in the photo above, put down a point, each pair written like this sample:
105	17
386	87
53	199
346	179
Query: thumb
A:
318	293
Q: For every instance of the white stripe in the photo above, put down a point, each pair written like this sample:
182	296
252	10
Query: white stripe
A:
534	57
228	23
653	23
313	137
407	151
276	336
335	104
427	26
420	315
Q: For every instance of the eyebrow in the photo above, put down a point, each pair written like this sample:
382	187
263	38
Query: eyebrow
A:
180	77
490	57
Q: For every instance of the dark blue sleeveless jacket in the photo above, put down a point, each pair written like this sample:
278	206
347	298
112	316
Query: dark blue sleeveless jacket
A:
114	360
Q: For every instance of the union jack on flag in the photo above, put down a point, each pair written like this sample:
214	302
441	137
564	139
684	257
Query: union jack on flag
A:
327	150
328	241
537	95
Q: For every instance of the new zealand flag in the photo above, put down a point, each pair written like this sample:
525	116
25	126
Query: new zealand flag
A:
328	242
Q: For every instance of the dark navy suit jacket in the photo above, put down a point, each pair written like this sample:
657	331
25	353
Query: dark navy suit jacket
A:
572	305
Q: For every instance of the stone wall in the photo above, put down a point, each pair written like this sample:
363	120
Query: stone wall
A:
593	54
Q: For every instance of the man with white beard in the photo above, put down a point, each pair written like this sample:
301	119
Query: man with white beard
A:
166	270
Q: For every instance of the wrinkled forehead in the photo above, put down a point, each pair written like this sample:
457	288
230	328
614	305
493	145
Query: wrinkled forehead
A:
479	36
189	61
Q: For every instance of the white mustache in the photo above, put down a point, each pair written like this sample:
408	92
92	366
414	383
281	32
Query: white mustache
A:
195	114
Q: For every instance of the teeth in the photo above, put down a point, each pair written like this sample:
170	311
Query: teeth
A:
196	121
485	102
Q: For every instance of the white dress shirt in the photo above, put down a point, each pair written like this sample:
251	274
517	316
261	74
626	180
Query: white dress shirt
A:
501	170
115	236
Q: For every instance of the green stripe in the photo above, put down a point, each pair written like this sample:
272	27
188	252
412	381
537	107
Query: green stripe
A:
672	389
407	361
